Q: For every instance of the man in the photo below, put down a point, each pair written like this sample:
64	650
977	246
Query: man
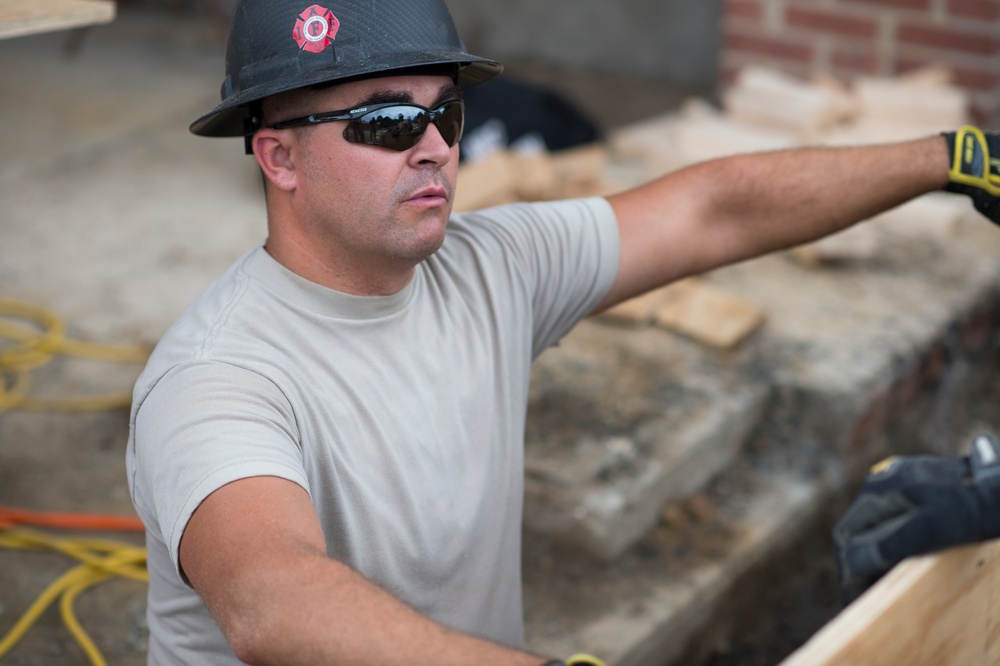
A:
327	447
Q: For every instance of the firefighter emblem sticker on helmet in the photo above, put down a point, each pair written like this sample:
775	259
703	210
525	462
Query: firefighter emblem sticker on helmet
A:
315	29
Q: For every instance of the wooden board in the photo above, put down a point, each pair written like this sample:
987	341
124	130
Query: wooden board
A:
936	610
27	17
707	314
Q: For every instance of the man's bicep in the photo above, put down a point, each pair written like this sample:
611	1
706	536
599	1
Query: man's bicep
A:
242	529
202	427
661	238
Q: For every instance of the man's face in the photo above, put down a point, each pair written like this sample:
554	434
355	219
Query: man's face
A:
369	208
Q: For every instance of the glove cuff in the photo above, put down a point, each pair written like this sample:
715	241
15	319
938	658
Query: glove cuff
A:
576	660
969	155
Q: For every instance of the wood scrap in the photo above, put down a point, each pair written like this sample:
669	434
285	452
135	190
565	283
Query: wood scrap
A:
695	309
580	171
490	181
924	98
768	98
709	135
707	313
536	178
639	311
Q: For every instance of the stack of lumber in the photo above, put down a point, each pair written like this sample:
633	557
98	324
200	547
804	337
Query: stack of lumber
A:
508	176
696	309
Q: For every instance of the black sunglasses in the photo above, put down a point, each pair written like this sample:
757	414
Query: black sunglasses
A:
394	125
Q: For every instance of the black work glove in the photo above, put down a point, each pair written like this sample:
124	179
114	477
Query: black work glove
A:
975	168
911	505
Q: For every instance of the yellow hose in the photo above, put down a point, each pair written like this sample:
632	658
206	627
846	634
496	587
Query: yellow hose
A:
100	559
30	337
35	345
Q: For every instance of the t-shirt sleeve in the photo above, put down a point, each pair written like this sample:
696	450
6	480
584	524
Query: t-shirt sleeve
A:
564	253
202	426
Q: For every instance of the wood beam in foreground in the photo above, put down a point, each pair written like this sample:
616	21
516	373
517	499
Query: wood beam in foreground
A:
934	610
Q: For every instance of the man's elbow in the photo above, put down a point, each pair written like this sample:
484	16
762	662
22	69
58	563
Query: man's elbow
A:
247	633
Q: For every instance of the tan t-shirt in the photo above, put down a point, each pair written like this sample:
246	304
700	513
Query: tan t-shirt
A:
402	416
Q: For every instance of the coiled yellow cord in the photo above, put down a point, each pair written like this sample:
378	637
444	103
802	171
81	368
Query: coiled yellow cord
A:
35	340
34	346
100	560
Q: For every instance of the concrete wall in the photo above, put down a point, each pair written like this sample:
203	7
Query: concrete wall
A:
672	40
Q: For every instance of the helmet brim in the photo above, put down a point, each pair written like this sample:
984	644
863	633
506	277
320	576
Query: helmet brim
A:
228	118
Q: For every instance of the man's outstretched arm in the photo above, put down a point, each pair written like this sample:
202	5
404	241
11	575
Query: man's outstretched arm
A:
726	210
255	552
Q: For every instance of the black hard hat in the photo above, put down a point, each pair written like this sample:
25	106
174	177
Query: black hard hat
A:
280	45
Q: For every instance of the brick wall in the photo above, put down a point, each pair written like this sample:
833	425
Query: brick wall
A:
849	38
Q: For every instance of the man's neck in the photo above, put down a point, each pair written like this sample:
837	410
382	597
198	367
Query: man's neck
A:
359	278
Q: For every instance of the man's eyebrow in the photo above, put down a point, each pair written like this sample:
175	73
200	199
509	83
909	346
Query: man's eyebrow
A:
447	92
386	97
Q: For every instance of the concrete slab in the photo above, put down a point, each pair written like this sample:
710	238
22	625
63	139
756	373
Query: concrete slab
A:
650	607
622	422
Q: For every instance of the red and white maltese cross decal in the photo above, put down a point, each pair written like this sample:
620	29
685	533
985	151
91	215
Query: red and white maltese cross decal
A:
315	29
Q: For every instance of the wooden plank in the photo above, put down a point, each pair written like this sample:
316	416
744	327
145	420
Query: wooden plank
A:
707	314
28	17
490	181
935	610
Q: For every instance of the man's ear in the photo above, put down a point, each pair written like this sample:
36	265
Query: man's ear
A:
273	151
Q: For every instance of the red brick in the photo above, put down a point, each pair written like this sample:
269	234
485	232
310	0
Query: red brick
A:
852	58
773	47
985	115
949	39
977	80
895	4
986	10
964	76
749	10
833	22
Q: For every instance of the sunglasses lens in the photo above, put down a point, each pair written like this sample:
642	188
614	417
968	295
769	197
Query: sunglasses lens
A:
400	127
450	121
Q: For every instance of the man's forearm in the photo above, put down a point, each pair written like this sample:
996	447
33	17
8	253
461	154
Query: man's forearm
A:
255	553
777	200
735	208
319	611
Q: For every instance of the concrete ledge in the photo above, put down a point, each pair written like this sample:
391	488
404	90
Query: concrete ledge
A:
647	610
623	422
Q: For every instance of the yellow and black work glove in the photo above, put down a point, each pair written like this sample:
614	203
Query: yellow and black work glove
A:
912	505
576	660
975	168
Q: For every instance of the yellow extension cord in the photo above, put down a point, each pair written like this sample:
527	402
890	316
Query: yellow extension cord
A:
34	346
29	346
100	560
